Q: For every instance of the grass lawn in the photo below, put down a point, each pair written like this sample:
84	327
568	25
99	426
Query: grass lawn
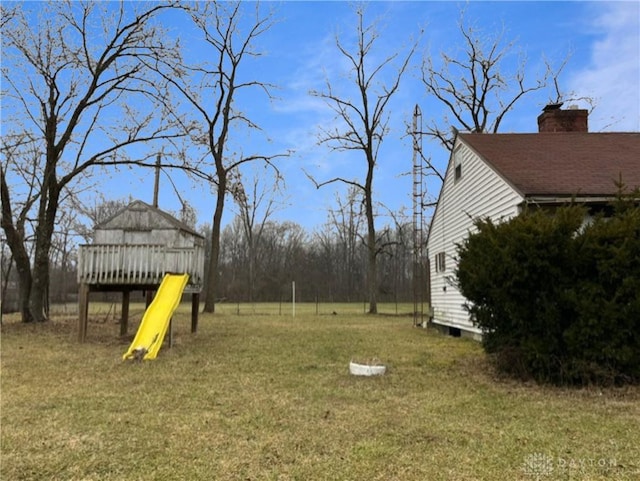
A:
261	396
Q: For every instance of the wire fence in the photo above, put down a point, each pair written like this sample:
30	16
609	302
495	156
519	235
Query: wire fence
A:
319	308
112	310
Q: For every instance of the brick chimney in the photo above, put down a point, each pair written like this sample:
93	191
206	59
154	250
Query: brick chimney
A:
553	119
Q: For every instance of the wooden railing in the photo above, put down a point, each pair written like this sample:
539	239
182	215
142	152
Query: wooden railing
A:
138	264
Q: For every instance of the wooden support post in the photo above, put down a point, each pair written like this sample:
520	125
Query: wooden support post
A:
83	311
124	320
195	307
170	333
148	297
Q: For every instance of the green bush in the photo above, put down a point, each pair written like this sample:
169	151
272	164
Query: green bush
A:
558	299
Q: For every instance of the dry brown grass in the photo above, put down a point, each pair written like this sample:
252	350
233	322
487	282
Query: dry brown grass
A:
267	396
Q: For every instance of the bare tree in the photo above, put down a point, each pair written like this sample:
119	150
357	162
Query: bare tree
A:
233	260
72	71
6	266
365	119
255	209
347	222
19	151
474	87
284	257
210	90
63	258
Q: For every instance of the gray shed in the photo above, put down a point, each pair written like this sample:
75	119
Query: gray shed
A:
132	251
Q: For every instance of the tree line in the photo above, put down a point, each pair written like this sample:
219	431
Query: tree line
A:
327	264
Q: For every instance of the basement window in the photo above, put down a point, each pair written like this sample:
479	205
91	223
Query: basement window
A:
441	264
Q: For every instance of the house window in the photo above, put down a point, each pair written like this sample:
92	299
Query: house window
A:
458	172
441	264
457	163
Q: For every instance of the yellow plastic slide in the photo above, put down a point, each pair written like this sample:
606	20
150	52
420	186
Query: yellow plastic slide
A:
156	318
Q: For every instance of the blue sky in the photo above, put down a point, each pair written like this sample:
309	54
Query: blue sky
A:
603	39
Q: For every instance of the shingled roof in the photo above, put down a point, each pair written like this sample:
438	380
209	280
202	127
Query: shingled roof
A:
117	219
562	164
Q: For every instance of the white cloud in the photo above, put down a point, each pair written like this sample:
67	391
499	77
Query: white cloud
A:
612	77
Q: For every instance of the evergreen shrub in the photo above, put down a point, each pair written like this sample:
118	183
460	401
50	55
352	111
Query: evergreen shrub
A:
557	294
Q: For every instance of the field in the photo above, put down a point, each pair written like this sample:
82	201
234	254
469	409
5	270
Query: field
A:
264	395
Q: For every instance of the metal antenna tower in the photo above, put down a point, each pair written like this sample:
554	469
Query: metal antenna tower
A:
418	221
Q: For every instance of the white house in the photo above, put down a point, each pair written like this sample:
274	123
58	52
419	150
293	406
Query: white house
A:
496	175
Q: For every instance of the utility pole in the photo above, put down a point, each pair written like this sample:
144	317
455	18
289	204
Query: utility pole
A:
156	188
156	185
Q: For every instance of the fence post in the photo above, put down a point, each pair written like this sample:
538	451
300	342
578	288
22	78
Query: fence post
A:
293	297
83	311
124	319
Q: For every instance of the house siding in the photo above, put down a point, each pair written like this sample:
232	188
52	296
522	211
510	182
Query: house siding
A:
171	237
139	223
479	193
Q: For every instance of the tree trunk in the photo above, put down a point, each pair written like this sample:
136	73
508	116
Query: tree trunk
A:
39	288
212	278
252	267
15	241
24	288
23	268
372	271
5	277
44	232
372	268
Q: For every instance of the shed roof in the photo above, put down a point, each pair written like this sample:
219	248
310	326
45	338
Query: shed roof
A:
562	164
120	220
